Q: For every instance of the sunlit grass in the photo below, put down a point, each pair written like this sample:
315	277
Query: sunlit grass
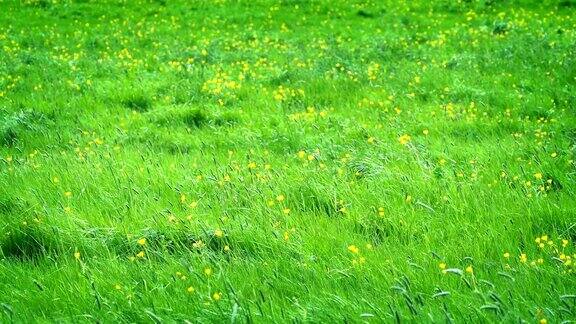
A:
279	161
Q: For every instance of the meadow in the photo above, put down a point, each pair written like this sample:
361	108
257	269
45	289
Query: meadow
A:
287	161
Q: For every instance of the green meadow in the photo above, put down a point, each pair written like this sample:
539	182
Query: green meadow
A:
275	161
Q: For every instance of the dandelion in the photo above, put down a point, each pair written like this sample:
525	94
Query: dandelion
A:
142	241
218	233
208	271
68	194
469	269
280	198
354	249
371	140
442	265
538	175
190	289
172	219
77	255
404	139
216	296
506	255
140	254
523	258
198	244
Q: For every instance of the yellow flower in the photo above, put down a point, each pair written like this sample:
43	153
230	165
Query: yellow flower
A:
216	296
371	140
354	249
142	241
190	289
506	255
442	265
172	219
538	175
198	244
77	255
208	271
301	154
469	269
68	194
523	258
286	211
252	165
404	139
182	198
218	233
280	198
425	132
140	254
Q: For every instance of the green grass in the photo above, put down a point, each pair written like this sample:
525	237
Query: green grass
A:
290	161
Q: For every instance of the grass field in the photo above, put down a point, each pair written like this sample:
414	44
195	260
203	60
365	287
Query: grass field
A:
287	161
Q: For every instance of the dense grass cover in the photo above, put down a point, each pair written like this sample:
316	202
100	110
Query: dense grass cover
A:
288	160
